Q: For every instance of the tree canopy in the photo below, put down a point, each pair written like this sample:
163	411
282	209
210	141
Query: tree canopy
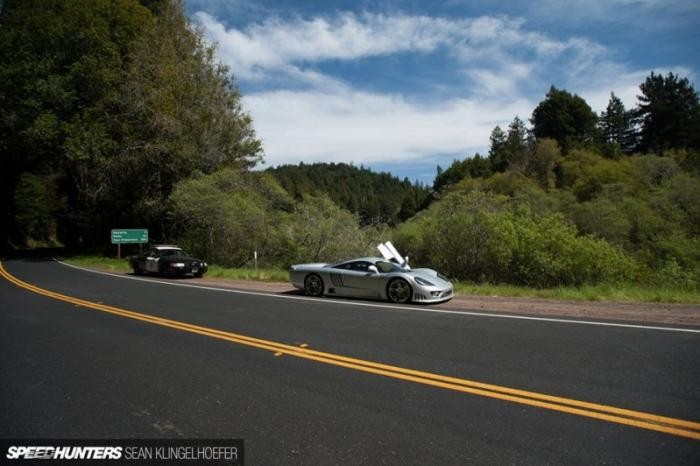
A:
668	113
564	117
374	197
109	105
616	127
602	184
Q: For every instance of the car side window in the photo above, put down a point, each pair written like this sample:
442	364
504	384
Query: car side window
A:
360	266
384	266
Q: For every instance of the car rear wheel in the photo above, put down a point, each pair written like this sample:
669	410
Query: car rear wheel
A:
137	270
313	285
399	291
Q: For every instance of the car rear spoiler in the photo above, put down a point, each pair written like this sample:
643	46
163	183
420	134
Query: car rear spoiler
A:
389	252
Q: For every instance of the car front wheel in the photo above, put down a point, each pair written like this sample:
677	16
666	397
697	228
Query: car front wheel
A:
399	291
313	285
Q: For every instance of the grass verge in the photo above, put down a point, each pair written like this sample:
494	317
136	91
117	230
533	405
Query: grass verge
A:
109	264
604	292
617	293
249	273
113	264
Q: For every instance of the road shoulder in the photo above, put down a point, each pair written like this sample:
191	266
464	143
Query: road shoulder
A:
687	315
668	314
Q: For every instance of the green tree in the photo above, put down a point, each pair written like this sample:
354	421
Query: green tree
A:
669	114
477	237
678	200
509	183
509	150
497	153
542	162
61	70
229	214
566	118
604	219
375	197
323	232
182	114
35	204
118	104
474	167
517	145
615	125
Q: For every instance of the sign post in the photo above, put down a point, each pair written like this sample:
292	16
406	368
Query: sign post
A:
128	236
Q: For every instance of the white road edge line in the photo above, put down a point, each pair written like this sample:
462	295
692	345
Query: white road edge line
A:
387	306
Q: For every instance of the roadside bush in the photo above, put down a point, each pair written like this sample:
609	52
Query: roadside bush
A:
470	245
653	170
604	219
226	216
321	231
672	275
550	252
475	238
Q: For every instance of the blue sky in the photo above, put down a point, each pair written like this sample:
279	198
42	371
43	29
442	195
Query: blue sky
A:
403	86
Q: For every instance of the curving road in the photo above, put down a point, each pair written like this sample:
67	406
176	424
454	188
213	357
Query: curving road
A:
89	355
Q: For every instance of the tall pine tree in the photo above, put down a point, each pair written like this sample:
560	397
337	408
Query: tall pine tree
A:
616	126
668	113
497	155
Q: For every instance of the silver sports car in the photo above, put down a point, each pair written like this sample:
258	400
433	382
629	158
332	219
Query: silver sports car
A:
388	277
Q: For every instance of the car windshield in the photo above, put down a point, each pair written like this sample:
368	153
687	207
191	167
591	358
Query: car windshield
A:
387	267
172	252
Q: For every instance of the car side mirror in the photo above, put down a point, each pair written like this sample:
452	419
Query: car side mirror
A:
372	269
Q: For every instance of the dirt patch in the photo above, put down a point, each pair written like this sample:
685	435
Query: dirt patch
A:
245	285
650	313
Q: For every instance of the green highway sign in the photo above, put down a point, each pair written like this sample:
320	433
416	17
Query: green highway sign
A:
129	236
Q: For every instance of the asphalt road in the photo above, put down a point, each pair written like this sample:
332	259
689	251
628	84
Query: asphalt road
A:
73	371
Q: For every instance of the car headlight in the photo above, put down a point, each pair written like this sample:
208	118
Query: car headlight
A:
423	281
177	264
204	264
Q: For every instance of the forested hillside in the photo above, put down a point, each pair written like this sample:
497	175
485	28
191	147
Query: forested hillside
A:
116	114
105	106
374	197
575	199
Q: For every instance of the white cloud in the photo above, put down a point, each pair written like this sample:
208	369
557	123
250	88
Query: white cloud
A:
330	121
359	127
304	114
275	44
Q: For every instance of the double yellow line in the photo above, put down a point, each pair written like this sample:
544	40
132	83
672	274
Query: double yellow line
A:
668	425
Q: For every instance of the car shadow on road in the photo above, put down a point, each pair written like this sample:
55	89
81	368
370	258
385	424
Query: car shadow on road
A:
297	292
294	292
